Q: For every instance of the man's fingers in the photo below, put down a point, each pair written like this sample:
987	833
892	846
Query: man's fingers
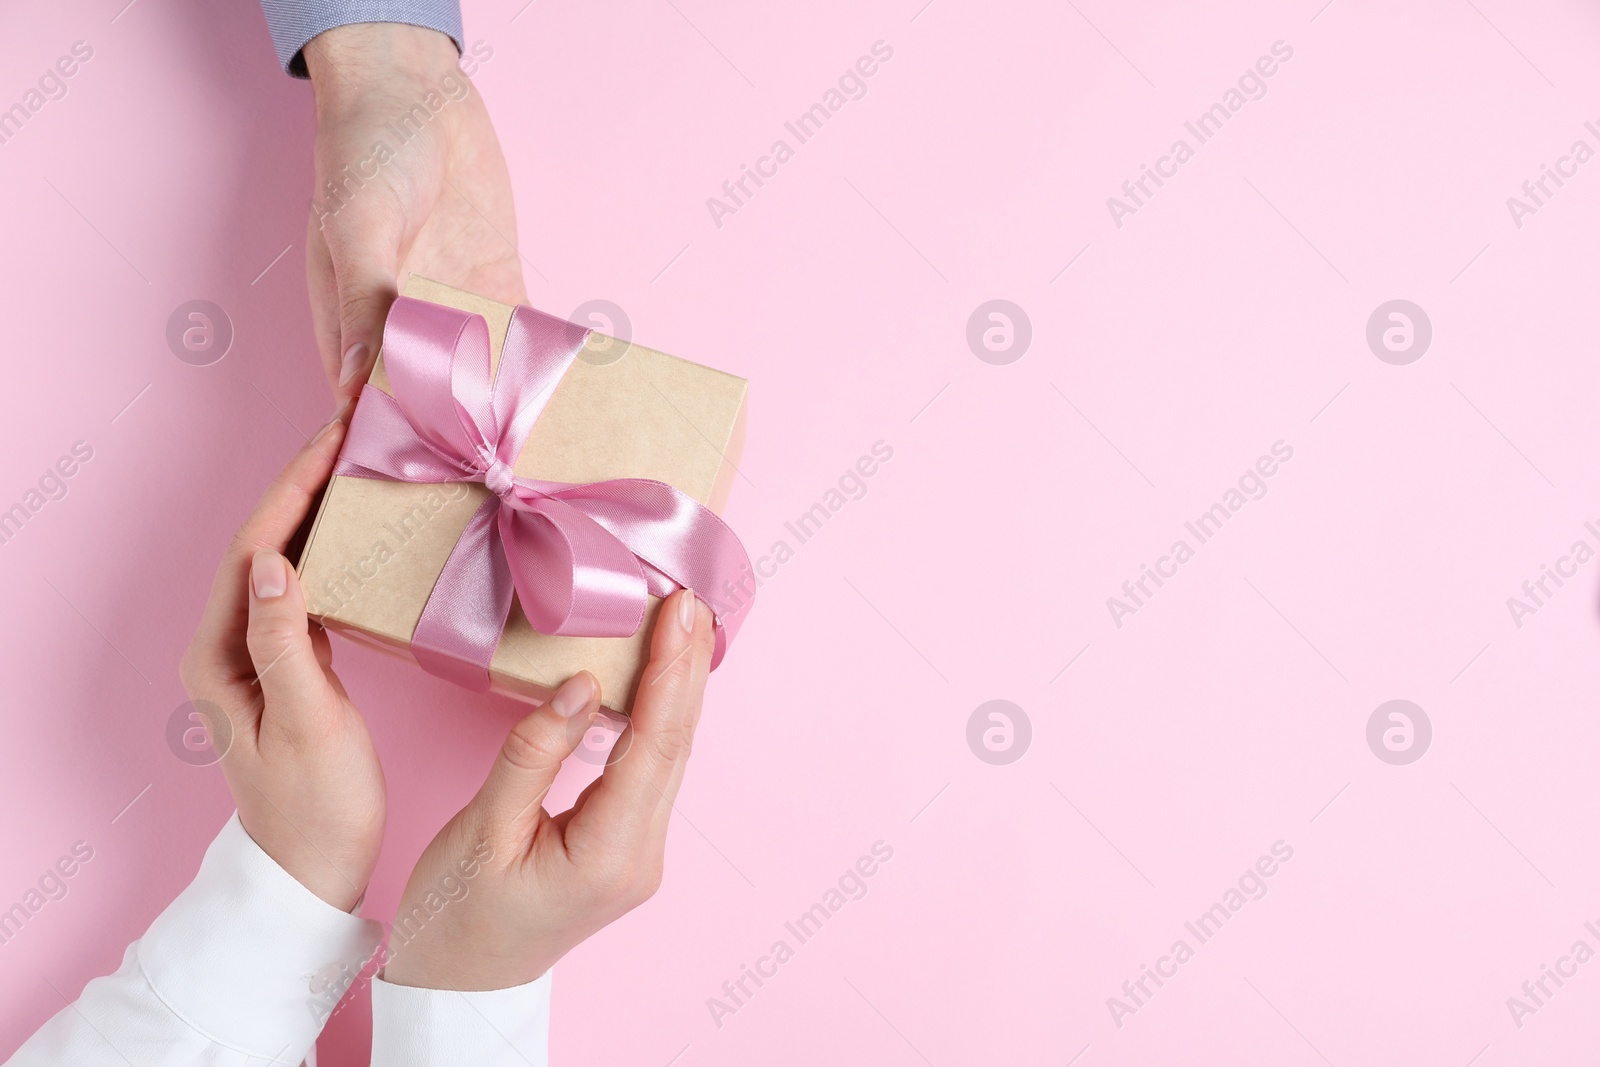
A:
637	790
364	246
295	689
364	301
324	291
509	804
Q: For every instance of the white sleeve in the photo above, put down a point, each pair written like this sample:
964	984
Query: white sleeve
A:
243	968
444	1028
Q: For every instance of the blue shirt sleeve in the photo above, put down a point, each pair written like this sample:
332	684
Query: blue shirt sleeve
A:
294	22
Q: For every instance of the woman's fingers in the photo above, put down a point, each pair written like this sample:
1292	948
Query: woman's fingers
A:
277	516
508	807
287	501
635	794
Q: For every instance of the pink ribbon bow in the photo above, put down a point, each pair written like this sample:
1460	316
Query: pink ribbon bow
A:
581	558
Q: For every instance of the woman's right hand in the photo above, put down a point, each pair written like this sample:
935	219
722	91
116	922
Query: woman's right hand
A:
538	884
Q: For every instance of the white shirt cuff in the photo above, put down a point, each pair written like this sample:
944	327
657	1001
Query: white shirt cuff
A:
414	1027
250	957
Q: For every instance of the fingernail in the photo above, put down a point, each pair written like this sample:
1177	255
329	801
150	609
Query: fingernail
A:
267	576
355	357
338	417
686	610
573	696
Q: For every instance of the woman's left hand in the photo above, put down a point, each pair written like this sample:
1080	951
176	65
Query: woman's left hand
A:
296	752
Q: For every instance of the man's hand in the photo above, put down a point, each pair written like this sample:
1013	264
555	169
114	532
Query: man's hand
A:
409	178
297	756
537	884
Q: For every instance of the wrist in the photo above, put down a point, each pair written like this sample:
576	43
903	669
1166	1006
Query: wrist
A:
411	960
337	874
468	956
344	60
414	969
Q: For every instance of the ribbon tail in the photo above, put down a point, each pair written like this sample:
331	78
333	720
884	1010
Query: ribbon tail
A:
677	538
726	624
466	613
719	647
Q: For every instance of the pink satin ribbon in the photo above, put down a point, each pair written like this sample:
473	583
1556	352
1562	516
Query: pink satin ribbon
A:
581	558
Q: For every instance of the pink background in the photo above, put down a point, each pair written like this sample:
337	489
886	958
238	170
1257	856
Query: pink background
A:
1228	714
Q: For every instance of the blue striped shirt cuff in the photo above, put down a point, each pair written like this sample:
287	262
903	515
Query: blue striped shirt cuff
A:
294	22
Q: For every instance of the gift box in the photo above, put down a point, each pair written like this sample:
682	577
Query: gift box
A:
402	546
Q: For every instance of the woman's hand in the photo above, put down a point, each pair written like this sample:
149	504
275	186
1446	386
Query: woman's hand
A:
538	884
409	177
297	757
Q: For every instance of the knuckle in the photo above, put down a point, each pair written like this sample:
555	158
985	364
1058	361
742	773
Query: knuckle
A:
629	882
355	302
645	884
679	681
679	670
529	748
267	644
243	544
673	743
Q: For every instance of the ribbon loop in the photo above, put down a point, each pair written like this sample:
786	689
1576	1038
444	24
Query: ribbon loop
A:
582	559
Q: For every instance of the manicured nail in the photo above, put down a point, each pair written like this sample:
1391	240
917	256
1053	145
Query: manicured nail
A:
338	416
355	357
686	610
573	696
267	575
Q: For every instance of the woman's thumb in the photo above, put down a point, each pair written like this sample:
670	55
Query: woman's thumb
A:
526	767
292	682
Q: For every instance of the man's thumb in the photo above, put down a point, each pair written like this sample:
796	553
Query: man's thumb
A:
365	293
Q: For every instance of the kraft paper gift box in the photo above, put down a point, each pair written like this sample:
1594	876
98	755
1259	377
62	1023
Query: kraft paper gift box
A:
621	410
